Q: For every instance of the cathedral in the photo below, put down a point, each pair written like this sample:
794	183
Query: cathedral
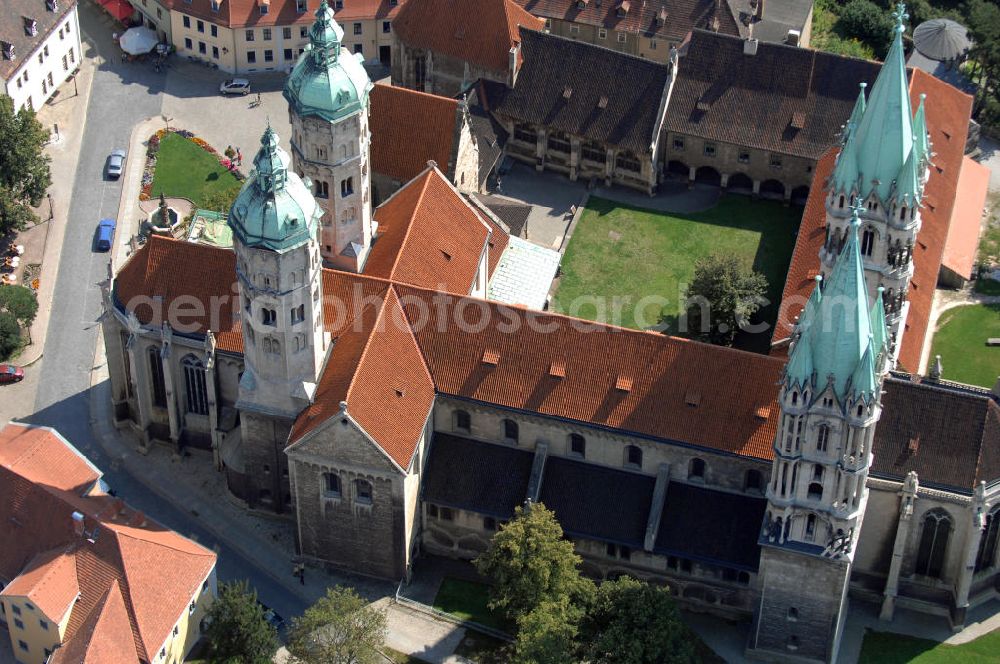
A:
351	368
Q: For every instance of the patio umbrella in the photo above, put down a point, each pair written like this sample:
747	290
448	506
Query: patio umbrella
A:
137	41
941	39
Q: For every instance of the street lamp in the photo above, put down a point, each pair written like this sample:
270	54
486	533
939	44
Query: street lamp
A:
166	120
52	214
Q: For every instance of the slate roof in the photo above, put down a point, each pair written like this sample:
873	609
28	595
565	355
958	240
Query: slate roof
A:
948	111
480	477
780	16
681	16
425	124
514	214
751	99
597	502
246	13
481	32
712	526
562	85
12	29
948	433
489	134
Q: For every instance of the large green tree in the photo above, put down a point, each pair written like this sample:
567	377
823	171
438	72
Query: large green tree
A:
340	628
631	622
24	168
20	302
548	633
10	335
530	562
724	293
237	631
868	22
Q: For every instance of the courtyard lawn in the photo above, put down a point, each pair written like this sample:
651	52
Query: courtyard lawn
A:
628	253
186	170
467	600
960	340
886	648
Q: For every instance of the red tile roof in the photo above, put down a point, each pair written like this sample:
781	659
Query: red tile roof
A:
481	32
424	123
157	569
49	581
966	218
361	10
200	279
428	236
948	112
104	638
246	13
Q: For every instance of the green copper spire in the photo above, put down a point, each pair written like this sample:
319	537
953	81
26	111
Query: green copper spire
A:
835	327
327	82
909	188
885	134
880	332
921	140
274	209
857	113
845	172
864	380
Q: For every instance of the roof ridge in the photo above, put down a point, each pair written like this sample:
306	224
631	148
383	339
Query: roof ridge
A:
418	93
409	227
368	342
413	336
114	527
525	31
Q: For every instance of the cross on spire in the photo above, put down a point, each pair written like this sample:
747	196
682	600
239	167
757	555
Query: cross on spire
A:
900	15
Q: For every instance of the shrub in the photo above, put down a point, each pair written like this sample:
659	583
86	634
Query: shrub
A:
866	21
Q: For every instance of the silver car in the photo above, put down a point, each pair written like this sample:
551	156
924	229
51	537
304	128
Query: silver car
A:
116	163
235	86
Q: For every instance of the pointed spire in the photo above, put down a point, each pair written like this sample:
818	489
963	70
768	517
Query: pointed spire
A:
909	184
325	35
880	331
864	380
270	163
885	133
921	140
845	172
859	109
800	366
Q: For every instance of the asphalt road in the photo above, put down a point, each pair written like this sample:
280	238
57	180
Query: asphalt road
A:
122	95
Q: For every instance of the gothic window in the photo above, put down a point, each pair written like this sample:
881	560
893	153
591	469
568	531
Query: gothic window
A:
268	317
933	543
577	445
822	436
156	377
810	533
753	482
463	421
127	362
525	134
297	314
276	347
194	383
633	457
696	469
840	204
795	397
986	558
322	188
510	431
558	142
902	213
363	491
346	187
594	151
790	428
629	162
815	491
793	614
817	472
331	485
867	242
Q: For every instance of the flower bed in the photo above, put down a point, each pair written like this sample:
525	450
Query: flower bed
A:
153	146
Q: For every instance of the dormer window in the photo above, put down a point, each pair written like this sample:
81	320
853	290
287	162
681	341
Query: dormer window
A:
582	4
30	26
263	9
52	5
301	6
623	8
215	5
8	50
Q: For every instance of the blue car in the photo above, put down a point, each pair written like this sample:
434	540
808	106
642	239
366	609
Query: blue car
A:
105	234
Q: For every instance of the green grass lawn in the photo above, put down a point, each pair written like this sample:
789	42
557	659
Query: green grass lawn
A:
628	253
960	340
467	600
885	648
186	170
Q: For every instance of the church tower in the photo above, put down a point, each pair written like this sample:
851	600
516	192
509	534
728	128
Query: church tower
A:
327	94
830	400
275	223
885	160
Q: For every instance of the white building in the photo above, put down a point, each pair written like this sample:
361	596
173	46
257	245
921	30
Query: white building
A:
39	49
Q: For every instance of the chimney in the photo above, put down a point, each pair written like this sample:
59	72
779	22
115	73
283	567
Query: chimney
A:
793	37
512	57
8	50
936	369
78	525
750	47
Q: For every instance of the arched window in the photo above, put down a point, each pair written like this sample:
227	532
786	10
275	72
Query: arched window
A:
696	469
753	482
194	384
933	543
822	437
363	492
867	242
902	213
577	445
268	316
841	203
156	377
266	344
510	431
463	422
633	457
986	558
815	491
331	483
810	533
276	347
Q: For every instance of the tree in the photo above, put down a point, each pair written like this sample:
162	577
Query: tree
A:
24	168
20	302
722	296
340	628
220	200
237	631
869	23
10	335
631	622
547	634
530	563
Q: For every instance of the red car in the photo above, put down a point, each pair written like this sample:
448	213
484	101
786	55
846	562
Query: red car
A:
10	374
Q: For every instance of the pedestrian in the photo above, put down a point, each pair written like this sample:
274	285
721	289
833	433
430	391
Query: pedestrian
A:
239	157
302	576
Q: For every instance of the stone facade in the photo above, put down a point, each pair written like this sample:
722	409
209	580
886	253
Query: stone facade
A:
650	47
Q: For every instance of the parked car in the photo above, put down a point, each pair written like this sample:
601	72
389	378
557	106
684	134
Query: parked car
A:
10	374
116	163
105	234
235	86
272	617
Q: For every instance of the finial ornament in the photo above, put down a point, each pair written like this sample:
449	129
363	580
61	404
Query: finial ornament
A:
856	209
900	15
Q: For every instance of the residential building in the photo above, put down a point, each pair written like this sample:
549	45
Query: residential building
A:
156	16
368	27
644	29
241	36
83	576
444	46
39	49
